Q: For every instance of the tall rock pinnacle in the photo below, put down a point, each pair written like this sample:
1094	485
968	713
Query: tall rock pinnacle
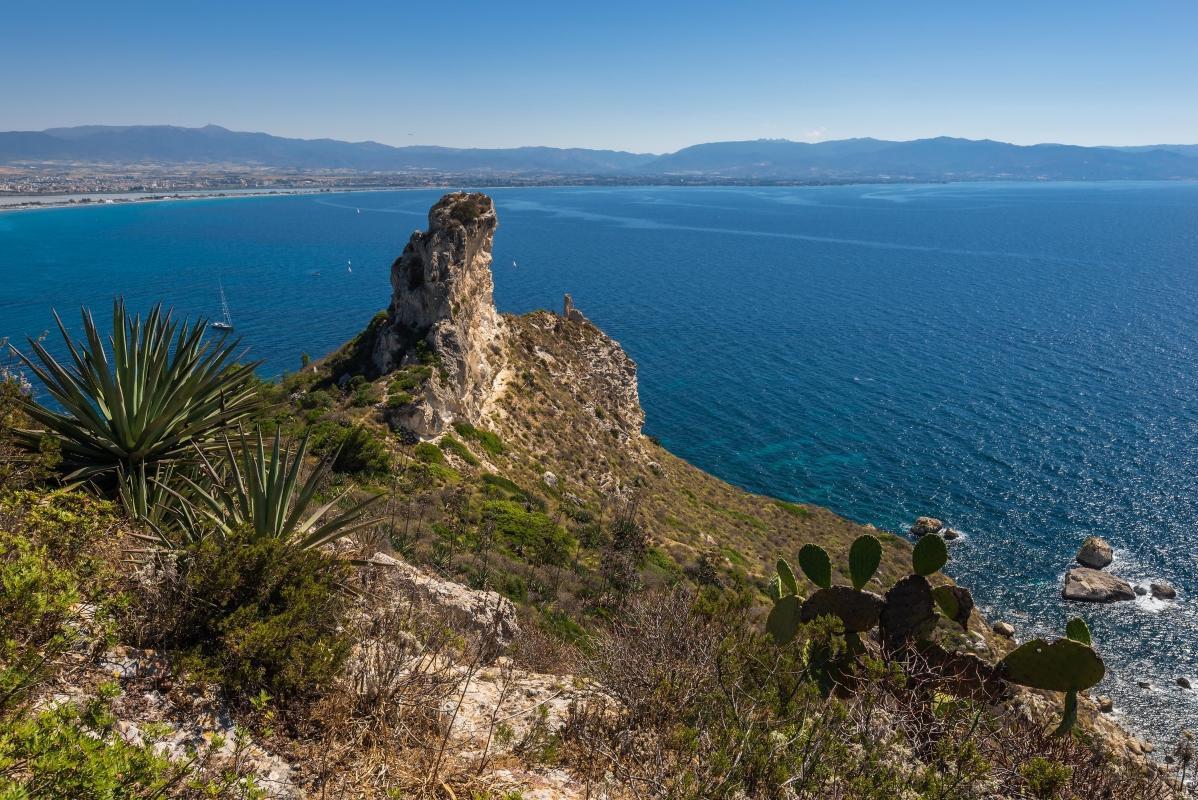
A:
441	296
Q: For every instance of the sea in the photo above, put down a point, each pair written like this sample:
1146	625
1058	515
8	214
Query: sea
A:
1017	359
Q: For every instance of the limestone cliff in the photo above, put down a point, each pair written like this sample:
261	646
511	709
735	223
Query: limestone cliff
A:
441	304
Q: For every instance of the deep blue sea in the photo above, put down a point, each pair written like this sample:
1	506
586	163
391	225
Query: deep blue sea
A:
1018	359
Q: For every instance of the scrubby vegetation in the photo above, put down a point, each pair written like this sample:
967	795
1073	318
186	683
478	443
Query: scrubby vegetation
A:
218	566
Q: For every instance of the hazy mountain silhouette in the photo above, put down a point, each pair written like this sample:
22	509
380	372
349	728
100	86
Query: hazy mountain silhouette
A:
928	159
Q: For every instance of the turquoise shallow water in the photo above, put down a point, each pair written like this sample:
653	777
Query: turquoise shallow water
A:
1018	359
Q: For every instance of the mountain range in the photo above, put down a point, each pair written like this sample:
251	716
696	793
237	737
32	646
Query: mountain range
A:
941	158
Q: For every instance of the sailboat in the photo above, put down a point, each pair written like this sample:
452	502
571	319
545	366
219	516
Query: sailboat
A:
349	266
225	324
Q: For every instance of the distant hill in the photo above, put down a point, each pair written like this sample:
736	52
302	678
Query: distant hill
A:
942	158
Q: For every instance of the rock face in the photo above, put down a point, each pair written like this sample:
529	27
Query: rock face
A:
1095	553
441	303
925	525
1094	586
570	312
1004	629
488	615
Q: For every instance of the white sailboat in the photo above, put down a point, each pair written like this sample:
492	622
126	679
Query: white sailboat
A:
225	324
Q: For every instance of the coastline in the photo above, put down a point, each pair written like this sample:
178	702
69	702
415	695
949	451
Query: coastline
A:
55	201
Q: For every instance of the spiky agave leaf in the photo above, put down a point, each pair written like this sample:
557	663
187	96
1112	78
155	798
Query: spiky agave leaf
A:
163	390
262	491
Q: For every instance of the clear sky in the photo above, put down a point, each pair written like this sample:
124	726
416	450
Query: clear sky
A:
643	76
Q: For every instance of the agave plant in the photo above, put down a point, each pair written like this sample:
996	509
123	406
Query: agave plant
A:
164	390
260	490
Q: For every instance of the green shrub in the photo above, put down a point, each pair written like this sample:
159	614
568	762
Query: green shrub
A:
489	441
36	598
429	453
530	534
452	445
258	615
409	378
399	399
353	448
368	394
503	487
1045	778
75	751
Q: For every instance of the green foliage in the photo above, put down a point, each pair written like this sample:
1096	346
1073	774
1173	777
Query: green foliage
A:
400	399
784	619
929	556
260	492
1077	630
22	462
75	751
865	555
1063	666
503	486
257	614
366	394
469	208
816	565
794	509
409	379
1045	778
36	598
786	579
451	445
530	534
164	391
956	602
429	453
489	441
352	449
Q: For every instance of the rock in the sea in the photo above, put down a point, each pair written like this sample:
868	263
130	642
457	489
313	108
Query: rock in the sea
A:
1162	591
952	533
1094	586
1184	683
1095	553
1105	704
1144	684
925	525
1004	629
1141	590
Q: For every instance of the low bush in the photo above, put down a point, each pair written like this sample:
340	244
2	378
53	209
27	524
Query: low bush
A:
429	453
353	448
257	615
530	534
489	441
452	445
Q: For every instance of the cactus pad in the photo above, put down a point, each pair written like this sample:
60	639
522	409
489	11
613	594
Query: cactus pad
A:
816	565
909	609
783	621
1078	631
859	611
956	602
1063	666
786	579
929	555
864	557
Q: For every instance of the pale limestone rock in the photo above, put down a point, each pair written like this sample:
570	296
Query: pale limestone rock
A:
1095	553
488	615
1004	629
441	294
925	525
1094	586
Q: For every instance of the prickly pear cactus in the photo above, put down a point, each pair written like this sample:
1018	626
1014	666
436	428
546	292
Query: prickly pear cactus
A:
929	556
864	557
1067	665
816	565
910	610
955	602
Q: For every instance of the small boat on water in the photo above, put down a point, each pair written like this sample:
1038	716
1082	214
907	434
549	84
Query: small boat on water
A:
226	322
349	266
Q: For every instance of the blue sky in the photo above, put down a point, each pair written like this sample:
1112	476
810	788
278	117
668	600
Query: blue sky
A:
644	76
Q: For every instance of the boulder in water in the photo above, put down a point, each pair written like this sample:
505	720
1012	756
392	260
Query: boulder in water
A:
1094	586
1095	553
925	525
